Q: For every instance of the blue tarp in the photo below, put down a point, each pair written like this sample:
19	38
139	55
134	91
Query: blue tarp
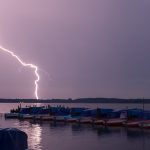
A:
77	111
25	110
89	113
146	115
13	139
135	113
36	110
104	112
44	111
31	110
114	114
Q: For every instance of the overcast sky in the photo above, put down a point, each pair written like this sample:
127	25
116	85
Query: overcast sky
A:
84	48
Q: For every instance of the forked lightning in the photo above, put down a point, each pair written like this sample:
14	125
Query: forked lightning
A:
26	65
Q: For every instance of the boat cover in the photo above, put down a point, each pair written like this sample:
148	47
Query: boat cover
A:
13	139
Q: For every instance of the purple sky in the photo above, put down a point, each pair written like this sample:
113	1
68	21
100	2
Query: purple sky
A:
89	48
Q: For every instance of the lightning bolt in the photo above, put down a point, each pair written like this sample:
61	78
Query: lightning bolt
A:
26	65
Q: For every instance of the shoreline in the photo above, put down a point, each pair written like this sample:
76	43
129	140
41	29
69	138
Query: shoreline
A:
81	100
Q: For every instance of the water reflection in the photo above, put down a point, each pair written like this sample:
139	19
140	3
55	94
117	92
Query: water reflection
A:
137	133
35	141
34	132
107	137
60	135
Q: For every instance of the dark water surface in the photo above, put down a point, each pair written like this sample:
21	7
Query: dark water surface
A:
61	136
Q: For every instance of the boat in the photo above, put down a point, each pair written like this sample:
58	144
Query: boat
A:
43	117
71	119
115	122
99	122
59	118
26	116
132	124
145	124
11	115
86	120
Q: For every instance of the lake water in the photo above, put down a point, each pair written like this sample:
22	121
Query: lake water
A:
61	136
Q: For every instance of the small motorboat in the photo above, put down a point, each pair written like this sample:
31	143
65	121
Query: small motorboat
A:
99	122
115	122
85	120
132	124
145	124
71	119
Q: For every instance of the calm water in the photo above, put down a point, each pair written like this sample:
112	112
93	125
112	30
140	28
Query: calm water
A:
55	136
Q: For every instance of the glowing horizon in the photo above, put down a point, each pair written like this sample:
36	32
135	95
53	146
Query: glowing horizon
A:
26	65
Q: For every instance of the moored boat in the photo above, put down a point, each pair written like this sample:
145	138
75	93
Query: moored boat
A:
47	117
26	116
59	118
85	120
145	124
43	117
11	115
71	119
132	124
115	122
99	122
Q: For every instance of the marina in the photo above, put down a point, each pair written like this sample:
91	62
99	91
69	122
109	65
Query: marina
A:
129	118
46	131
